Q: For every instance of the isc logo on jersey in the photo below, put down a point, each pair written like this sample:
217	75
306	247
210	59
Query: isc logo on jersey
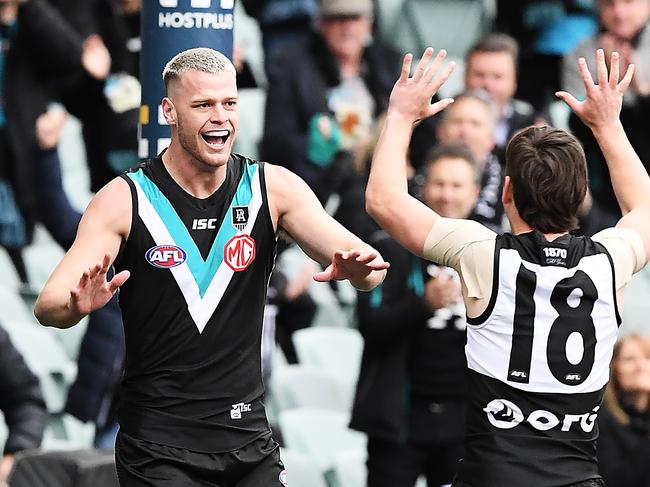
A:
238	409
165	256
239	252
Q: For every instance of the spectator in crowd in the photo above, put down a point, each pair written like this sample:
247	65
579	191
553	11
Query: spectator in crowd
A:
411	392
624	420
21	403
131	10
471	120
283	23
109	126
625	30
546	30
491	65
325	94
54	209
27	26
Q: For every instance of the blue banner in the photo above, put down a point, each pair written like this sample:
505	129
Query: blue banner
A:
169	27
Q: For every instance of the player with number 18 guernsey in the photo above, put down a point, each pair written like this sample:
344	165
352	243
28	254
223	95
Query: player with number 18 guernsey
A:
539	352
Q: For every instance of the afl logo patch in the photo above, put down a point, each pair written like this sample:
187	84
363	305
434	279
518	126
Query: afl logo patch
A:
283	478
165	256
239	252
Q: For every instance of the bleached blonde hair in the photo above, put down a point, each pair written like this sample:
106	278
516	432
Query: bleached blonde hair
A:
200	59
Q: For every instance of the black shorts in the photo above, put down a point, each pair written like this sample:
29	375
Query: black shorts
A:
140	463
586	483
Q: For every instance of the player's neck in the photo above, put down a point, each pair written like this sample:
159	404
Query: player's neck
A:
197	179
519	226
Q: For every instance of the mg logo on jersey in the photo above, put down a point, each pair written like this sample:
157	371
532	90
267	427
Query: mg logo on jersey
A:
238	409
239	252
504	414
165	256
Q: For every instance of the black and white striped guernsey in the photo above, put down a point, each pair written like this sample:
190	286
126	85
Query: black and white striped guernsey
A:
538	361
193	309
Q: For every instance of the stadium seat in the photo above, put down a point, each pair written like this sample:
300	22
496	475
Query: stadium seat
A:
337	350
13	308
350	468
320	434
65	432
560	113
76	176
296	386
635	304
70	338
41	260
10	278
451	24
386	17
82	468
301	470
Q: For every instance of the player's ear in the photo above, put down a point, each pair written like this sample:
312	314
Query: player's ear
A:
506	194
168	110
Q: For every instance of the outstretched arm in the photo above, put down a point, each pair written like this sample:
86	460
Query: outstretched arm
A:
78	285
600	112
298	212
387	200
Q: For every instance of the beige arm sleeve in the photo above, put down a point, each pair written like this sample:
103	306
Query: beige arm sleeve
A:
468	247
627	251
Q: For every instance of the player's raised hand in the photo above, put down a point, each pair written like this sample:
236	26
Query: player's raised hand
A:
93	290
411	95
353	265
604	99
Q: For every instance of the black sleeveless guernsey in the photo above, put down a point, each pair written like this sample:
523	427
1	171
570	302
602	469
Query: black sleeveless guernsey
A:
193	307
538	361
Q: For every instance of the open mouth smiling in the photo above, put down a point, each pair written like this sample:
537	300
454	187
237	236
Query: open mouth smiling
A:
216	138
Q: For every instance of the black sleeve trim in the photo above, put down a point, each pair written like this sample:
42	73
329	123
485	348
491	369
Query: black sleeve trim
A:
480	320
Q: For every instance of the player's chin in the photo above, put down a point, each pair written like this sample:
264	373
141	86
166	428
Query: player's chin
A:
216	159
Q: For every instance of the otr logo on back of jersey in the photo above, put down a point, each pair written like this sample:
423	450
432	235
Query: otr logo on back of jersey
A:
165	256
504	414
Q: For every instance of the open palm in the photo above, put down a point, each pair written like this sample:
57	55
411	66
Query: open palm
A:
411	95
604	100
93	290
352	265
